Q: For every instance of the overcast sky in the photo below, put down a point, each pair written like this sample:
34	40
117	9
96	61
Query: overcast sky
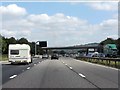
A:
60	23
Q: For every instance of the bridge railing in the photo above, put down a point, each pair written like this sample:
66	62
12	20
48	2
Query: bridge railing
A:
114	62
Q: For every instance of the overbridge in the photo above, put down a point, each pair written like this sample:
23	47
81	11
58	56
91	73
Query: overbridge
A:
84	48
73	47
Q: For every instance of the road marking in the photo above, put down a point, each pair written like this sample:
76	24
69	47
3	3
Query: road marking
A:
82	75
39	62
66	64
28	68
34	64
13	76
63	62
98	65
70	67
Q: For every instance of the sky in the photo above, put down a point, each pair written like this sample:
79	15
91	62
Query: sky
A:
60	23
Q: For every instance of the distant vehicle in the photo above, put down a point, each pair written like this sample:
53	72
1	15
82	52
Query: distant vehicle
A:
54	56
44	56
67	55
110	50
60	55
19	53
101	55
89	55
93	54
36	56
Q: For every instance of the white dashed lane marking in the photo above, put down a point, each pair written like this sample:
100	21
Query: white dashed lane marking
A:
81	75
66	64
13	76
70	67
28	68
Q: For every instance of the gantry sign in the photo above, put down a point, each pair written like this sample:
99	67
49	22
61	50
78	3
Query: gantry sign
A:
41	44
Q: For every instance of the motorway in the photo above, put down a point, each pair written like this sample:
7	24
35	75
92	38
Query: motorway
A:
63	73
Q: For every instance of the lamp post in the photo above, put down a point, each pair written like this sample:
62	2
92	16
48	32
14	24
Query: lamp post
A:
36	47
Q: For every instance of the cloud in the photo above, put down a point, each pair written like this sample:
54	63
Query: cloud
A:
18	34
109	24
12	11
115	16
58	29
113	36
8	33
108	6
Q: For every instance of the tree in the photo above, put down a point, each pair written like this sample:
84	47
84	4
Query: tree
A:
32	46
118	45
3	44
108	41
12	40
23	41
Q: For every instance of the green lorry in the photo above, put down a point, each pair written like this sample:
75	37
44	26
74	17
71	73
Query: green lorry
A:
110	50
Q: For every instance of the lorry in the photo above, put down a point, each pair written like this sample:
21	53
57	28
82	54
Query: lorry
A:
110	50
19	53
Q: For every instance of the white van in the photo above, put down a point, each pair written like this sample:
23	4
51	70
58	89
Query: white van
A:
19	53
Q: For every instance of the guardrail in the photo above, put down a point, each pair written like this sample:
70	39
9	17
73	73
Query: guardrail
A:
115	62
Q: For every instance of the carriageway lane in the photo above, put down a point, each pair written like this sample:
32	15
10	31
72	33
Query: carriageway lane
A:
9	70
48	74
101	76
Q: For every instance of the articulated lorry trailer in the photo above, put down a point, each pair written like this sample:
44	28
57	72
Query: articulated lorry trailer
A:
110	50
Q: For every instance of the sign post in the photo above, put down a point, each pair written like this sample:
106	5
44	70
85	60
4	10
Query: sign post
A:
41	44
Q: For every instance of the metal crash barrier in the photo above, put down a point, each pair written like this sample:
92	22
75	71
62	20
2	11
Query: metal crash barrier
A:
114	62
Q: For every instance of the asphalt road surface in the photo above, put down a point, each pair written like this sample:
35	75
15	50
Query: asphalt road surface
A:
9	70
62	73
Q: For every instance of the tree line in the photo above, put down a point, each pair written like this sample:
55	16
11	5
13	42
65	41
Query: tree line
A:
4	43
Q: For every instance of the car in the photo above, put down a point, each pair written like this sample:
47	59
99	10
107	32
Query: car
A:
54	56
93	54
67	55
89	55
101	55
44	56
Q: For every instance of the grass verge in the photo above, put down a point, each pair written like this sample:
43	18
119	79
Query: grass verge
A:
4	57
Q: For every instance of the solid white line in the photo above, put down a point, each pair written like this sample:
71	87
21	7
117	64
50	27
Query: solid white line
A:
82	75
98	65
28	68
70	67
13	76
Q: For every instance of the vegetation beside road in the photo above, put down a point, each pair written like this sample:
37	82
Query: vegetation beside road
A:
102	62
4	57
12	40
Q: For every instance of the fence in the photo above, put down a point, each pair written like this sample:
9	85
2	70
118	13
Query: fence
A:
115	62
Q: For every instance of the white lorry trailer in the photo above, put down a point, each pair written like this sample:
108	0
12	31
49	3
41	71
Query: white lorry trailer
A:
19	53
